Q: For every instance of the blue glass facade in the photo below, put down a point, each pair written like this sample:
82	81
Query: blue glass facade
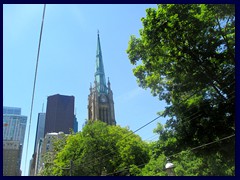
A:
11	110
14	127
75	124
40	129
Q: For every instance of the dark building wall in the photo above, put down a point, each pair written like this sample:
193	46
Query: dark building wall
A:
59	114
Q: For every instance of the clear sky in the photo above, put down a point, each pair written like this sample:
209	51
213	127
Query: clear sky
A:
67	61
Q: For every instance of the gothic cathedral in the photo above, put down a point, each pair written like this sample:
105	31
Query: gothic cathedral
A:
100	99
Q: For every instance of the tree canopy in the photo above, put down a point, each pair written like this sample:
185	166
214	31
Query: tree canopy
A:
186	55
99	149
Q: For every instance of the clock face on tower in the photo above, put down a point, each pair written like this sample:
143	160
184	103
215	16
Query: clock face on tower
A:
103	99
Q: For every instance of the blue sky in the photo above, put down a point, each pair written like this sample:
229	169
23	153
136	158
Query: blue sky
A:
67	61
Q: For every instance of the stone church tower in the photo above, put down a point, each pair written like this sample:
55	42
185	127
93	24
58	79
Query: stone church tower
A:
100	99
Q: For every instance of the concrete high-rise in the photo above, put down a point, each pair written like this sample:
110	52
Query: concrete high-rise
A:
59	114
11	158
45	145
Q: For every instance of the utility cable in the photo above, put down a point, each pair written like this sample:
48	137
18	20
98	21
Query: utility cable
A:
151	138
34	84
138	129
203	145
153	121
132	133
88	163
146	125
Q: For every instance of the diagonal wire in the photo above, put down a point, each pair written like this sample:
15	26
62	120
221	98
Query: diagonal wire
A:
87	163
207	144
203	145
34	84
143	127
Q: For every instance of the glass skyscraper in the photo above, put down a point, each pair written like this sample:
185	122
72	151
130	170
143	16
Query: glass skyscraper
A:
11	110
40	129
14	124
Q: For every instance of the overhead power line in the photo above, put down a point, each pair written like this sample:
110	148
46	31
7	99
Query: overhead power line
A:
190	118
207	144
203	145
34	84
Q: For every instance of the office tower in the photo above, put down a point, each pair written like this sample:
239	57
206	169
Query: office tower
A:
59	114
11	158
39	135
14	126
45	150
11	110
100	99
40	129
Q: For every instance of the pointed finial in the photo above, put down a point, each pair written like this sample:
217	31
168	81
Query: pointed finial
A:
90	87
42	107
98	32
108	83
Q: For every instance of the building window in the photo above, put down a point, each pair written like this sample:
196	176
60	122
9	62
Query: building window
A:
47	147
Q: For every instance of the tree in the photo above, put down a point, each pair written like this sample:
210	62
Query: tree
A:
101	149
186	55
187	163
47	158
155	167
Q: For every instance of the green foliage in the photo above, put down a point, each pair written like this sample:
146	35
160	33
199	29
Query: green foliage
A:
47	160
155	167
186	55
189	164
101	149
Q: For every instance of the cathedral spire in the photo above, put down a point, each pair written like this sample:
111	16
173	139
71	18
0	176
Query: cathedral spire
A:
100	99
99	73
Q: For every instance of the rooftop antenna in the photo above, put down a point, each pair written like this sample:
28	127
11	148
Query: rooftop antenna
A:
42	107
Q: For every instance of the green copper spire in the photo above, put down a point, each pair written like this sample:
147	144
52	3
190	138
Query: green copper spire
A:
99	74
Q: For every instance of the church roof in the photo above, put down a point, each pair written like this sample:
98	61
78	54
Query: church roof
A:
99	71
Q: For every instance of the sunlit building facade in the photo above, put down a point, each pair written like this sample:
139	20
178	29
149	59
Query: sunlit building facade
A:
11	158
14	126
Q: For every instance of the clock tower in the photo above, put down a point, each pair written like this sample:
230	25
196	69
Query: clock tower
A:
100	99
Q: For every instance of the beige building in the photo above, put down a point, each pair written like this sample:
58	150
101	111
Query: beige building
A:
45	146
32	165
11	158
